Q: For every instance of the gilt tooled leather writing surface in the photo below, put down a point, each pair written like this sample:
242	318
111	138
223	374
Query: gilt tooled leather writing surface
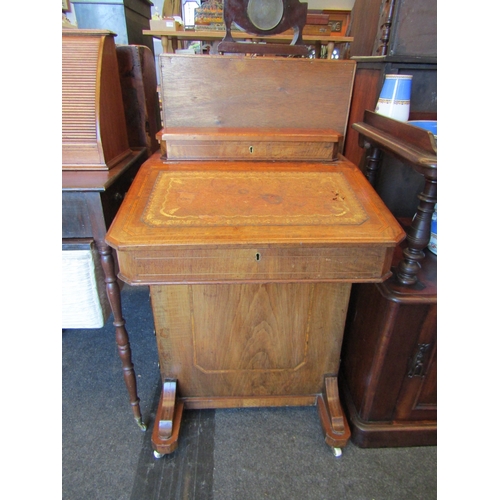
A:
204	199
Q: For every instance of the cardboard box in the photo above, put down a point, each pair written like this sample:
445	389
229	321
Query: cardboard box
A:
167	24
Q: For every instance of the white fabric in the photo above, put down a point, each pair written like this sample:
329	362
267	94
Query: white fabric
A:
81	305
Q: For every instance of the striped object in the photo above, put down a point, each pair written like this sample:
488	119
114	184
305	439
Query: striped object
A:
84	301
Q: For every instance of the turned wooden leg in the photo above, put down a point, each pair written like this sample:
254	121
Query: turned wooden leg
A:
329	50
168	420
122	340
418	234
164	44
372	165
333	420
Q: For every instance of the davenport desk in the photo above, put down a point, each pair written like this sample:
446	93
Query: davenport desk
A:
250	270
250	262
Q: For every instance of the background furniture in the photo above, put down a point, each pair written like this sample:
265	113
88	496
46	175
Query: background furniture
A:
389	370
90	201
169	39
394	28
98	167
94	133
389	357
391	37
136	66
126	18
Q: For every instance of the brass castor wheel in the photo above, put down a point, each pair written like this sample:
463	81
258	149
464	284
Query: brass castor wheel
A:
337	452
157	454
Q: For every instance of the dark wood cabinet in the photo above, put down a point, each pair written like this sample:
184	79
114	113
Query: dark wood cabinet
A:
392	37
394	28
389	362
388	375
396	184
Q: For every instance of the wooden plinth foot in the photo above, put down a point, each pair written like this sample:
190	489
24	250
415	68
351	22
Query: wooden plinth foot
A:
333	420
168	420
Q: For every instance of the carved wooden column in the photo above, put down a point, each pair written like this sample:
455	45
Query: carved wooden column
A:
418	234
416	147
372	165
386	27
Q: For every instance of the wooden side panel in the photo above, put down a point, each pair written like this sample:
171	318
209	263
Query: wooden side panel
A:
365	96
249	340
140	96
364	26
112	125
232	91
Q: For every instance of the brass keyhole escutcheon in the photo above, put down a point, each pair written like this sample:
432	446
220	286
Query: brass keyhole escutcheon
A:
257	256
250	149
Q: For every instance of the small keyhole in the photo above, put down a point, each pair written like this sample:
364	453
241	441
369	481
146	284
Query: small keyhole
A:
250	149
257	257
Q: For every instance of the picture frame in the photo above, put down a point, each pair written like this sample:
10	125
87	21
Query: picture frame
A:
66	6
339	21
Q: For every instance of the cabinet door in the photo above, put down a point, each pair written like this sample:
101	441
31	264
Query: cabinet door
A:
417	398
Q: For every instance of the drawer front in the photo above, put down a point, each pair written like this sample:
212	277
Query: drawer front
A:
251	150
253	264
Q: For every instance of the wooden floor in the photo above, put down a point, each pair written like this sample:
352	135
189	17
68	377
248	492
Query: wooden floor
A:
237	454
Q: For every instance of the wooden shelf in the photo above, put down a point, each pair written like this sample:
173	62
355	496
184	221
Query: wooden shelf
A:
210	36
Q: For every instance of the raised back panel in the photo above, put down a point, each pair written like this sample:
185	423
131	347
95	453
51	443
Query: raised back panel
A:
94	134
271	92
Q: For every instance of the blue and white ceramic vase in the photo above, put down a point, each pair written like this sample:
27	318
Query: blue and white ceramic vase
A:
394	100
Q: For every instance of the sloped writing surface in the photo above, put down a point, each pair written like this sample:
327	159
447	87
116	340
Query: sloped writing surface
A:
253	199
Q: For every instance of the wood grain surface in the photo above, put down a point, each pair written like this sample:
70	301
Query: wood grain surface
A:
275	92
249	340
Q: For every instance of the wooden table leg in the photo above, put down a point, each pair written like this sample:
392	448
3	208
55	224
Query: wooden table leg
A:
122	339
329	51
175	43
164	44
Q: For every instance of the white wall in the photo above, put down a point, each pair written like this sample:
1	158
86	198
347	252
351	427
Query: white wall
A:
312	4
330	4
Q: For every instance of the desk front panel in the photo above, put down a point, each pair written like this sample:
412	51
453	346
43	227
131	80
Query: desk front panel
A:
239	344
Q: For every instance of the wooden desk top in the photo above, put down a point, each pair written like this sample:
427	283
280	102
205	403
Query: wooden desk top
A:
99	180
201	212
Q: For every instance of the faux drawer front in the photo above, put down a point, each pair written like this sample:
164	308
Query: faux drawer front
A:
186	143
268	264
251	150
